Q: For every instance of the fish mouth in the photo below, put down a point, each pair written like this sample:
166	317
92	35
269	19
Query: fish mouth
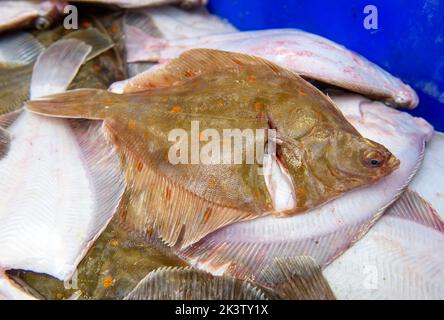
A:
392	164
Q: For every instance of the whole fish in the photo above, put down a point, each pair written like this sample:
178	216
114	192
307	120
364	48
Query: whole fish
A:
143	3
323	155
18	14
401	257
60	173
308	55
324	233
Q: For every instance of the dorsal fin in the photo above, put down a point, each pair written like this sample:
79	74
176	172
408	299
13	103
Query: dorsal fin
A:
297	278
195	62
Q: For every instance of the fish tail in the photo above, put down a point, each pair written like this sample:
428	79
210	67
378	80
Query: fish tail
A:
82	103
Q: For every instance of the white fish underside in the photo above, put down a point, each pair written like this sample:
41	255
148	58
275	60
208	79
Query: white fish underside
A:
429	180
401	257
60	184
326	232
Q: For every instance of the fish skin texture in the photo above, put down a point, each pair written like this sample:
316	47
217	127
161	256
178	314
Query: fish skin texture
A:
69	182
429	181
144	3
215	202
326	232
307	54
18	14
401	257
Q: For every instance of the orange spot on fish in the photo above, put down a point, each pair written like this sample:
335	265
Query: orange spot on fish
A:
238	62
168	194
212	182
300	193
114	29
131	124
301	92
59	295
207	214
123	215
109	101
86	24
139	166
107	282
258	106
175	109
251	79
189	74
114	242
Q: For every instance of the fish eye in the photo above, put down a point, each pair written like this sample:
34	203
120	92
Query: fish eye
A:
373	159
42	23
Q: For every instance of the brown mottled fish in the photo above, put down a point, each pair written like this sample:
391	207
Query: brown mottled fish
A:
321	152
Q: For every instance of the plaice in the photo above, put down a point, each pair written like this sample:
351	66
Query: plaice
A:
328	231
185	202
401	257
307	54
69	182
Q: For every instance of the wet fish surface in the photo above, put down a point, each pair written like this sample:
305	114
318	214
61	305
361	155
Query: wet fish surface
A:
313	150
326	232
308	55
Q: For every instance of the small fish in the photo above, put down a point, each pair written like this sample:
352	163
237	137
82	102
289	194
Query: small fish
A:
144	3
322	153
401	257
326	232
308	55
428	183
19	14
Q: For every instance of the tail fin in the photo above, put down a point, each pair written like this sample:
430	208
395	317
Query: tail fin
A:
81	103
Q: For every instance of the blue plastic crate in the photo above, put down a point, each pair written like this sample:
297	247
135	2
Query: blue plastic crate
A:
409	41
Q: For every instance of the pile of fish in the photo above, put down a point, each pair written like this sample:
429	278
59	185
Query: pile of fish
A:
349	206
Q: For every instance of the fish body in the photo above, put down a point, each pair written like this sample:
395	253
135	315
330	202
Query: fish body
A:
306	54
143	3
59	173
401	257
428	183
323	154
326	232
18	14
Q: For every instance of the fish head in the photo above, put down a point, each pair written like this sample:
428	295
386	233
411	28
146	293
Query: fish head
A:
358	160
